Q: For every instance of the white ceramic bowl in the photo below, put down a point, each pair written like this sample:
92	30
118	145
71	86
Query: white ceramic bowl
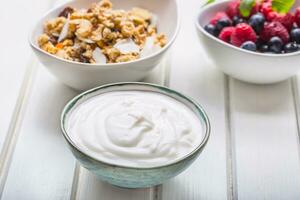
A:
83	76
242	64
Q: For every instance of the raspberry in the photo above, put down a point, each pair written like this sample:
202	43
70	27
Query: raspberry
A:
266	8
242	33
226	33
297	16
286	20
233	8
274	29
218	16
271	16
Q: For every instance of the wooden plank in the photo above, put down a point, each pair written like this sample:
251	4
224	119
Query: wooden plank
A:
206	178
265	136
296	95
17	69
42	166
15	56
193	74
26	88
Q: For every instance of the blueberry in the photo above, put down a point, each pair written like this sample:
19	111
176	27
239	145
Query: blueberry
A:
294	26
295	35
236	20
291	47
249	45
222	23
257	22
263	48
275	44
211	29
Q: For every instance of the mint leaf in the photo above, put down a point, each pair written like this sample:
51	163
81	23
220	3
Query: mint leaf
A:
282	6
246	7
209	2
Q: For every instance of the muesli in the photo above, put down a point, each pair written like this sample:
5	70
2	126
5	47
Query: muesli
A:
101	34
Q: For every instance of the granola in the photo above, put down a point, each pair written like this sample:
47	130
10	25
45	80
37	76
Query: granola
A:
101	34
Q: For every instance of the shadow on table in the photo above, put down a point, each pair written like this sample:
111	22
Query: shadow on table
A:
253	98
212	89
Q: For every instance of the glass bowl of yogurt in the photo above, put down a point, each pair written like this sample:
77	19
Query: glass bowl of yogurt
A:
135	135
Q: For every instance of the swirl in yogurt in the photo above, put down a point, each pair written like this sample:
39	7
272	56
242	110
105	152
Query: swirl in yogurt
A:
134	128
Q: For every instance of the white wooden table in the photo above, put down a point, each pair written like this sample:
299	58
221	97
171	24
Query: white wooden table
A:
252	154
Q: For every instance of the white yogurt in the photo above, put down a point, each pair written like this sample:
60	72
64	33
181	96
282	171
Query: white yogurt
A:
134	128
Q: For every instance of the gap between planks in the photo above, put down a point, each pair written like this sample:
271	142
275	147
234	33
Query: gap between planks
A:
295	92
75	184
230	144
12	136
232	193
16	121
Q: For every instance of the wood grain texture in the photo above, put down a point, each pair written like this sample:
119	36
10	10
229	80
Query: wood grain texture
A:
193	74
266	141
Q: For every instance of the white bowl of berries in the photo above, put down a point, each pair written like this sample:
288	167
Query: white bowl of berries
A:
258	45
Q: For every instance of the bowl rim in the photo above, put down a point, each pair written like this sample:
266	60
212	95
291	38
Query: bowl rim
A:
201	114
107	65
201	29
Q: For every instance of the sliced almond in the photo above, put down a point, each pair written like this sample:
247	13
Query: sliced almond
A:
99	57
127	46
64	32
149	48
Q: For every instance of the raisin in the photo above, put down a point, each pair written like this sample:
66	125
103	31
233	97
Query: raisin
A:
95	26
79	51
115	30
83	59
53	39
93	46
66	12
